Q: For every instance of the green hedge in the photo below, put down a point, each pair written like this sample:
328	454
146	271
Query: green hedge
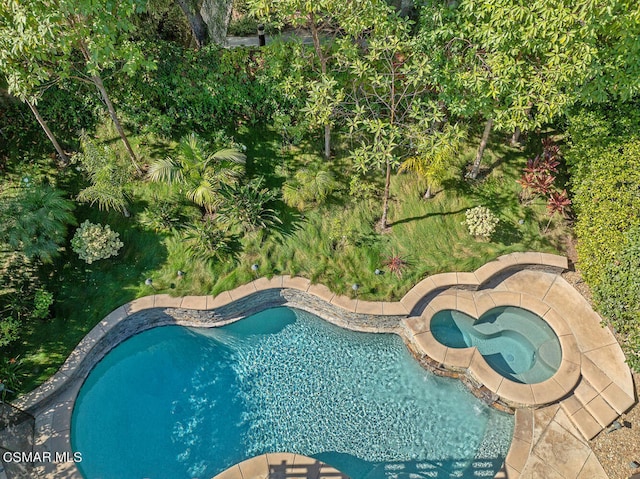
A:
603	162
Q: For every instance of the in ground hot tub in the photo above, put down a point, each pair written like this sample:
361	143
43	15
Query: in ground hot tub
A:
515	342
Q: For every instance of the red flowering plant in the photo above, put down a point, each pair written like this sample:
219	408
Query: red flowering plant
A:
538	179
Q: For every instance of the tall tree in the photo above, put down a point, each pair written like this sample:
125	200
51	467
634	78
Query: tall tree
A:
25	37
386	100
324	19
96	29
521	64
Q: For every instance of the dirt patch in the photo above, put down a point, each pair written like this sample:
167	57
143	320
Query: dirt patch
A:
617	449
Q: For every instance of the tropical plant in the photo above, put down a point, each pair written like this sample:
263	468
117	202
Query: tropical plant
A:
386	99
309	186
93	242
481	221
199	172
247	205
164	215
210	241
538	178
435	153
396	264
34	220
109	176
11	375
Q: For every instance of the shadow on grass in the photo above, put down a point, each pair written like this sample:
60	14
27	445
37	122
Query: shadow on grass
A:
427	215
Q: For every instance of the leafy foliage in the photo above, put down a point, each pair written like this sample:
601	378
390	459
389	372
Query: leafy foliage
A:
34	220
618	296
93	242
109	176
208	241
481	221
247	206
41	303
495	58
435	154
164	215
309	186
199	171
604	178
12	373
207	89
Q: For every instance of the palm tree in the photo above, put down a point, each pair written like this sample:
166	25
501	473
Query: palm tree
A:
108	175
199	172
34	220
435	155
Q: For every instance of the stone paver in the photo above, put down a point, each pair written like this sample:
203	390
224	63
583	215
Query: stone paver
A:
194	302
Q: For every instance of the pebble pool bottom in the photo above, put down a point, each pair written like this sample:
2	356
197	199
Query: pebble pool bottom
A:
175	402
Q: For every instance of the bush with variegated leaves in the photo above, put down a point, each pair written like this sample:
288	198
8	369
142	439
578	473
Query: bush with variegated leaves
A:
94	241
481	221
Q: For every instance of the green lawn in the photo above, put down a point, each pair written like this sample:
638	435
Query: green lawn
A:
334	244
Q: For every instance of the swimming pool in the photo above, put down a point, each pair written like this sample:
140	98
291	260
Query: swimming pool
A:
515	342
175	402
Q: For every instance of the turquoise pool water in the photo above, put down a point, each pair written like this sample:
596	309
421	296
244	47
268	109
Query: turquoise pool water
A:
515	342
176	402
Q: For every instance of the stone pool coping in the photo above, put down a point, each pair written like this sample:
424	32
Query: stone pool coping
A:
505	280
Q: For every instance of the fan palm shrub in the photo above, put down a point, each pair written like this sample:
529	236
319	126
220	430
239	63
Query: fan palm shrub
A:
199	172
34	221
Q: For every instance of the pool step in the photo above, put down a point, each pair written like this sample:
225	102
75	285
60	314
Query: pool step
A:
596	401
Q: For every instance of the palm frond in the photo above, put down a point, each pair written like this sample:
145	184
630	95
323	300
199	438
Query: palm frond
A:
229	154
165	170
107	198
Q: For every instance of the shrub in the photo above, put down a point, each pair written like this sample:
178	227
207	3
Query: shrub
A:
93	242
247	206
481	221
207	241
308	187
11	375
9	330
617	295
243	27
41	303
604	183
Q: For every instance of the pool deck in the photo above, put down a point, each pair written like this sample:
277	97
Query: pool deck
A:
555	419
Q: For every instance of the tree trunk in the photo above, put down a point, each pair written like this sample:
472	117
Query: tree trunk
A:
196	22
327	141
216	14
97	81
385	201
515	138
112	112
323	68
46	129
473	174
427	194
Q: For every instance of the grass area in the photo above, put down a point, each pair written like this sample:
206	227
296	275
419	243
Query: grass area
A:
334	244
